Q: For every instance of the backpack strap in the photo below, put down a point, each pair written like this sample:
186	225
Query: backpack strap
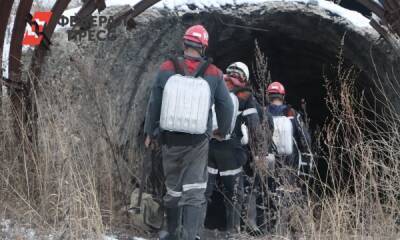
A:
177	65
202	68
185	69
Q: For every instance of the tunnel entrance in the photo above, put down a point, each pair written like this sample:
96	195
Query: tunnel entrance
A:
295	59
300	64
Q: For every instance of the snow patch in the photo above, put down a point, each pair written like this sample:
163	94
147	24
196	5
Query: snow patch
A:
46	3
5	225
6	47
354	17
109	238
7	40
115	238
9	230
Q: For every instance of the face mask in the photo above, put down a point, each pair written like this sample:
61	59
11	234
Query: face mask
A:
234	81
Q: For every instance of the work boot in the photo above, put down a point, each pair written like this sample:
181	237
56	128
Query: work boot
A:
192	218
200	233
173	220
251	215
232	218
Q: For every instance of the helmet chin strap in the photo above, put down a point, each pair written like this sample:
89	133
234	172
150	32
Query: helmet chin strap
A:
202	51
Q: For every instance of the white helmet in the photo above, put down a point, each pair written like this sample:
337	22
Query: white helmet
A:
239	68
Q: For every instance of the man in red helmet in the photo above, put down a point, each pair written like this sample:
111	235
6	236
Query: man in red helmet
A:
290	137
277	109
289	140
180	106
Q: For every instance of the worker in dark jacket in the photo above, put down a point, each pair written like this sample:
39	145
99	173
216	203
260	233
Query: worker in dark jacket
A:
180	104
237	80
289	140
287	148
227	157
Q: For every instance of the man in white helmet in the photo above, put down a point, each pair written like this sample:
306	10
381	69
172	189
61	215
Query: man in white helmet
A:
227	157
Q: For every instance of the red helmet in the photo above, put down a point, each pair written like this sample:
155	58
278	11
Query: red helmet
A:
276	88
196	36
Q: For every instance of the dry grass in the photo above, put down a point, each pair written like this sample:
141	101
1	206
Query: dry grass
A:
63	181
359	198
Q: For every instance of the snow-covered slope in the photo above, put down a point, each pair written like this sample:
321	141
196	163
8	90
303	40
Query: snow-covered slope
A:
356	18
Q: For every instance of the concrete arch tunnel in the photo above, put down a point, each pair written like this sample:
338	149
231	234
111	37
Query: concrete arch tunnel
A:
300	41
301	48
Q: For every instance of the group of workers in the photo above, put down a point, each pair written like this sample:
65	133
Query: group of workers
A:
207	122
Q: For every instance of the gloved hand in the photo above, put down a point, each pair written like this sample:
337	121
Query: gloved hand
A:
147	141
150	143
217	135
245	132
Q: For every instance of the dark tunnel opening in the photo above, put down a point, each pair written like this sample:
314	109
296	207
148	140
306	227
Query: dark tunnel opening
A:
300	64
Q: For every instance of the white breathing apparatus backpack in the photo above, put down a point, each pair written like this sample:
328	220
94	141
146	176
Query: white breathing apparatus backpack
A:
186	101
235	102
283	135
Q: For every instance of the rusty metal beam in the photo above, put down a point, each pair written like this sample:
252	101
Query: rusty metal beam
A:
38	56
391	6
16	39
389	16
86	11
36	63
384	32
5	11
57	10
392	9
375	7
14	66
132	12
90	6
